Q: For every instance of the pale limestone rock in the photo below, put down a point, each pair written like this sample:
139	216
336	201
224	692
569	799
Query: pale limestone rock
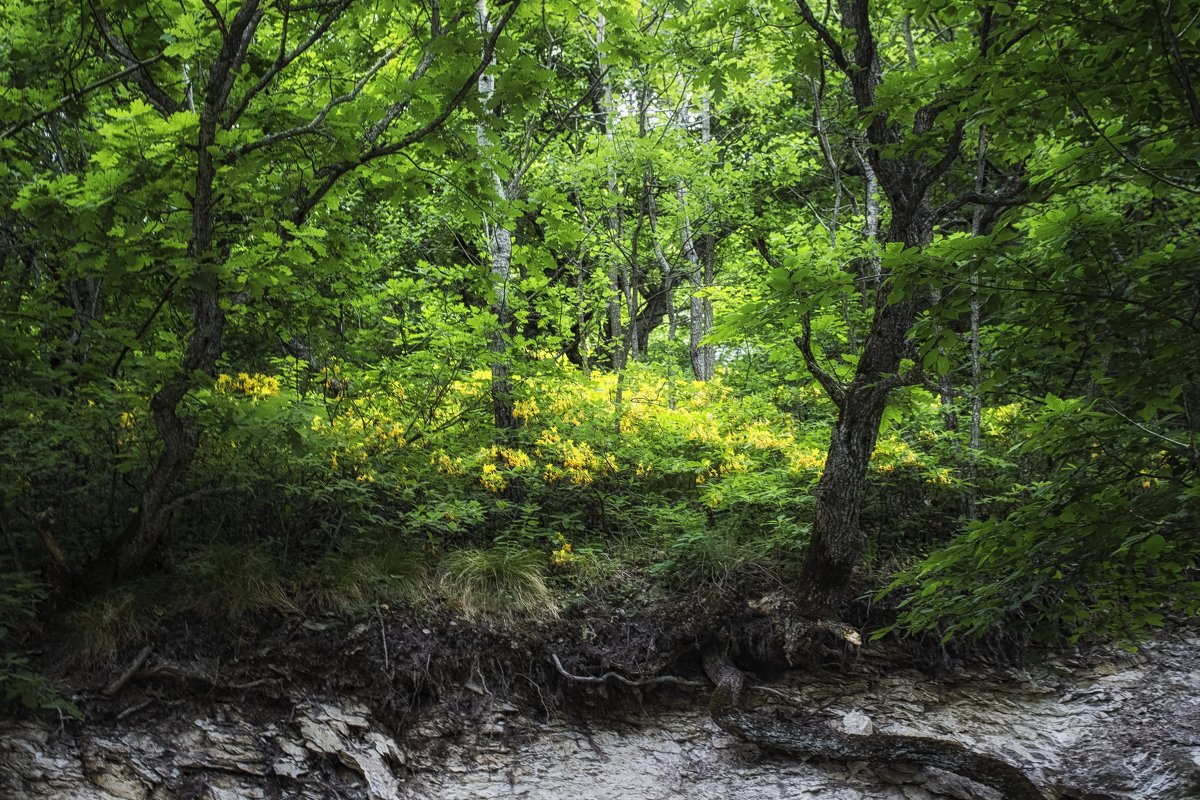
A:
1130	730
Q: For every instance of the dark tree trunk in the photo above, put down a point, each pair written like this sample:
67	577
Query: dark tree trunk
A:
178	436
837	541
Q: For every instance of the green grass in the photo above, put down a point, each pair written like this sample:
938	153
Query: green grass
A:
501	580
236	581
363	574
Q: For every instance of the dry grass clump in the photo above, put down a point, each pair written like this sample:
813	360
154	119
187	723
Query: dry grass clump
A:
100	628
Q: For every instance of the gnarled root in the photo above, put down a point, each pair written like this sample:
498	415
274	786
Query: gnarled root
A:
815	738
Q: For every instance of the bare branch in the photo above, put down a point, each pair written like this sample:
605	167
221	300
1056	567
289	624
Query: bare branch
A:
335	172
128	674
314	127
78	94
953	149
559	125
216	15
832	386
1010	193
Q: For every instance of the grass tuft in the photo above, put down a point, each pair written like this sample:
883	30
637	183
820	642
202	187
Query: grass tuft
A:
103	626
500	580
236	580
364	574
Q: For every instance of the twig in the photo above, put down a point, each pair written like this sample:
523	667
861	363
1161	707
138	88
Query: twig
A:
383	636
128	674
133	709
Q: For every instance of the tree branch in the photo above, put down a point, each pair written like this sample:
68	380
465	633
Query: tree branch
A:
832	386
314	127
78	94
216	15
953	149
155	95
823	33
335	172
1009	194
284	59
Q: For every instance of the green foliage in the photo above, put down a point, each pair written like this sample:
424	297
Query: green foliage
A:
18	597
335	417
1074	558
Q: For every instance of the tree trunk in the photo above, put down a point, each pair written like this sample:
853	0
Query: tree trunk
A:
612	305
500	252
699	254
837	542
179	436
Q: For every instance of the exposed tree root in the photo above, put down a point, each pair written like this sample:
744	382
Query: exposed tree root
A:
814	738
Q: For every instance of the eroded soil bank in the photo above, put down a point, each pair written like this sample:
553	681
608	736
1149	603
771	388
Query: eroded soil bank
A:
1117	725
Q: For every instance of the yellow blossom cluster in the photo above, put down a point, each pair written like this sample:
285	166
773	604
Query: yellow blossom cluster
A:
516	459
940	477
892	453
254	386
577	463
806	460
561	556
526	409
761	437
491	479
731	464
446	465
999	419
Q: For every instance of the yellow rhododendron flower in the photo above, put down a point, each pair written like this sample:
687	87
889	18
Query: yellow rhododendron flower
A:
490	479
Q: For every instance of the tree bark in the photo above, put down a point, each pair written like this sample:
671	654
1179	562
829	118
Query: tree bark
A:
612	305
699	252
837	541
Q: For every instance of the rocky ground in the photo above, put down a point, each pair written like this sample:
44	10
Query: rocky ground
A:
1116	726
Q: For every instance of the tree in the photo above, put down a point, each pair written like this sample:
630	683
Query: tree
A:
233	67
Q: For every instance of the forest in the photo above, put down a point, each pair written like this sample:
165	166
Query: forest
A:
524	313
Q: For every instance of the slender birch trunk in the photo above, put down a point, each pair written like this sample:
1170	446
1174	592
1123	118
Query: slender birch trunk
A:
500	242
977	224
700	258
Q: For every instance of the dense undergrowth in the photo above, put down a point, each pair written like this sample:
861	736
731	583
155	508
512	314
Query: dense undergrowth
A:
338	493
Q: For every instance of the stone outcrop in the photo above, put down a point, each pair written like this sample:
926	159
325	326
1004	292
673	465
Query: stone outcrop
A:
1126	727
